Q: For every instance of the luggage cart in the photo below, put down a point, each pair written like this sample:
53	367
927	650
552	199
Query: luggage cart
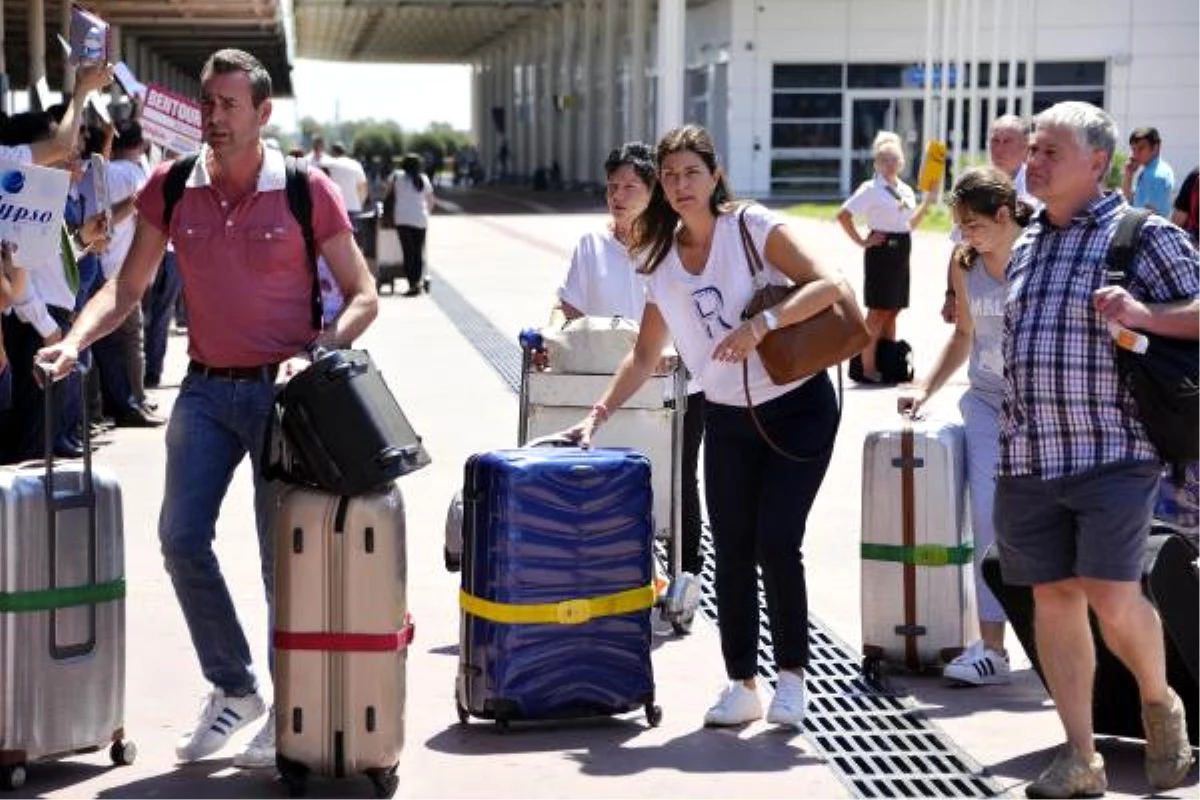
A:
553	401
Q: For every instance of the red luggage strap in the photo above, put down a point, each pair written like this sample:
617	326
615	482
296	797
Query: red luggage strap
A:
329	641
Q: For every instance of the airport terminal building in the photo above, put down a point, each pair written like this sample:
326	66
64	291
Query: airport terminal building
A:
794	90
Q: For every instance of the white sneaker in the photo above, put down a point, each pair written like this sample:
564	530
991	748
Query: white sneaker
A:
979	665
737	705
260	753
790	701
220	717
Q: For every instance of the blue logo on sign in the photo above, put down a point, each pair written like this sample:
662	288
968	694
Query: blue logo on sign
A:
12	182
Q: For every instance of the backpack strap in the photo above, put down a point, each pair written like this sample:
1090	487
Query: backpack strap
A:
1123	247
300	204
174	184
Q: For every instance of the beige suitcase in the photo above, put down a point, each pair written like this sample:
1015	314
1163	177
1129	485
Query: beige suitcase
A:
341	635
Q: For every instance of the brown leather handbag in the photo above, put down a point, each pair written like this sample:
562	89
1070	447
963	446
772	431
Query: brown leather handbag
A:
804	348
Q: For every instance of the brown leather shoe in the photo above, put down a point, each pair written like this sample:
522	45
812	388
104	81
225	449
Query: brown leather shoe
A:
1168	752
1070	775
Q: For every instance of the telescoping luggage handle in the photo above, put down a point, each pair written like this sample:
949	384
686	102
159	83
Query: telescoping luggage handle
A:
60	501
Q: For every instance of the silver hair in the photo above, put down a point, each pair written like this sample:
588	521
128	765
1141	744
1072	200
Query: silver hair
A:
1093	128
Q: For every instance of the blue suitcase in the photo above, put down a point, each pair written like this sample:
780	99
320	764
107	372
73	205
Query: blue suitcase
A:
557	585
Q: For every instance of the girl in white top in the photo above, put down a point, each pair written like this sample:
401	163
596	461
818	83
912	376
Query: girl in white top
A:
891	211
413	198
758	501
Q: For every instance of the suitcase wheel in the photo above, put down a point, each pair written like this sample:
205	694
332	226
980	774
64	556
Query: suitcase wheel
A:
122	752
464	716
384	781
653	715
12	777
294	775
872	670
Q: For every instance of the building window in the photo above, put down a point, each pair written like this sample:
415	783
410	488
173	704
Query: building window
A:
807	76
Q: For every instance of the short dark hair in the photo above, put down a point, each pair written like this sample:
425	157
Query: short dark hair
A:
338	149
230	60
129	134
27	127
638	155
1146	134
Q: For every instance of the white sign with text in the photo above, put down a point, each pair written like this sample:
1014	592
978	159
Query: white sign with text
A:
31	209
170	120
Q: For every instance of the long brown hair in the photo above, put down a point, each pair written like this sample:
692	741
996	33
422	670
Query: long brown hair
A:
653	232
984	191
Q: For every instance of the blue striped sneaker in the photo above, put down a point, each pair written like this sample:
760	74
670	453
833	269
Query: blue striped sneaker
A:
979	665
220	718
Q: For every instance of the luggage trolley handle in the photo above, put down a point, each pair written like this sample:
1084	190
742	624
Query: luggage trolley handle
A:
531	342
679	385
57	502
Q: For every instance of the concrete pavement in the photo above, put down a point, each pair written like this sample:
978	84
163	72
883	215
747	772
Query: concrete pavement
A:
506	264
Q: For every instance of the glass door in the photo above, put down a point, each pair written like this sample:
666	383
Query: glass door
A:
865	113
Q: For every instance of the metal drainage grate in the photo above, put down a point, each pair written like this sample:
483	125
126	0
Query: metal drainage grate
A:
500	350
877	743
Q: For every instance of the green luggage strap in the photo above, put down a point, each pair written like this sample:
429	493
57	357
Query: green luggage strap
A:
922	555
65	597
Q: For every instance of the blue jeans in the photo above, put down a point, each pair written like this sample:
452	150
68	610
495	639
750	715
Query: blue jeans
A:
158	305
214	424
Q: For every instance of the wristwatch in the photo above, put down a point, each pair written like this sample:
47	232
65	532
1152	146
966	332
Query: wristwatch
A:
770	318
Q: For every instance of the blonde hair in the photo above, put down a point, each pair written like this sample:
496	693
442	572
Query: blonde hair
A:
888	141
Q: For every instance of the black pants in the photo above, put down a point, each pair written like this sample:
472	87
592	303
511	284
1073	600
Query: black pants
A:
758	504
412	245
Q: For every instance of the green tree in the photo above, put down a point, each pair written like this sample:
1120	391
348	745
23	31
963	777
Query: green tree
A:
378	144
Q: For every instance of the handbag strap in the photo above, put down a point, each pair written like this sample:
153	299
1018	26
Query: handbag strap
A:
755	263
753	258
762	431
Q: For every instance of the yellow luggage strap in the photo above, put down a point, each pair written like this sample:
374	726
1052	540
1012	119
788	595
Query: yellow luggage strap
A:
567	612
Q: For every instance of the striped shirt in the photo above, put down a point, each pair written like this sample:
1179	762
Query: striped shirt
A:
1064	410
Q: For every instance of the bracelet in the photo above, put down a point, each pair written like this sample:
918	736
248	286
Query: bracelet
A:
951	293
601	412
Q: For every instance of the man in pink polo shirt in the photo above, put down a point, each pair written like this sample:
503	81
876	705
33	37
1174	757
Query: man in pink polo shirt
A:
248	286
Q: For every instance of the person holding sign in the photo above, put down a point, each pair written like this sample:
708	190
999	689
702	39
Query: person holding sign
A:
250	309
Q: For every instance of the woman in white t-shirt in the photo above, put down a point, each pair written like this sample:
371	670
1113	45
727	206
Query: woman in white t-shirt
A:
413	202
697	284
892	212
603	280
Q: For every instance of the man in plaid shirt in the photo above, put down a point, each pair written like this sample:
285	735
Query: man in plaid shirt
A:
1078	477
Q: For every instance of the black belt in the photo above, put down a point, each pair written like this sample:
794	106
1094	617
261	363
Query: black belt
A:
264	374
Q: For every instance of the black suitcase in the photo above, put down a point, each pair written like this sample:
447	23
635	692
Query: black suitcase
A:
1169	582
342	429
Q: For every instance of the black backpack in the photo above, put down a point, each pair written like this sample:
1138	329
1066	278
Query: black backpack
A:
893	359
1162	380
299	203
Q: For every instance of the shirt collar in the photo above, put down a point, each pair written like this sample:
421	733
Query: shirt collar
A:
272	177
1100	210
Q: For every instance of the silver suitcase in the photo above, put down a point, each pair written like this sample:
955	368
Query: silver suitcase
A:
62	615
917	588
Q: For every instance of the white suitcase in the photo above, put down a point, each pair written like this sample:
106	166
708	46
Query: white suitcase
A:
917	588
